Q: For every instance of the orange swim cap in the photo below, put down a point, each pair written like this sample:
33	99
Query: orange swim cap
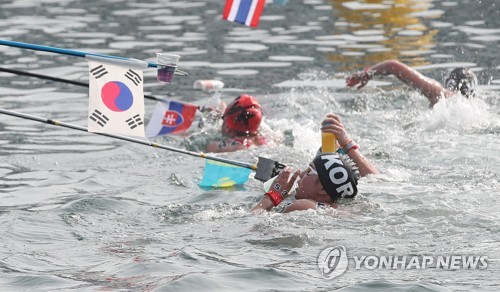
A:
243	115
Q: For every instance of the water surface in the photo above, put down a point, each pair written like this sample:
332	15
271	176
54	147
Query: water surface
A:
80	211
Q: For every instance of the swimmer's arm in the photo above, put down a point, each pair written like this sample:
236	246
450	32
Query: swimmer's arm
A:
265	204
365	166
302	204
332	124
429	87
219	110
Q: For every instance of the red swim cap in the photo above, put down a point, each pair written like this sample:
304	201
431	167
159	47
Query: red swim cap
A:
243	115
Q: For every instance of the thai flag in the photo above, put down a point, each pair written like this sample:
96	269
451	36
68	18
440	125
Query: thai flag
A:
246	12
170	117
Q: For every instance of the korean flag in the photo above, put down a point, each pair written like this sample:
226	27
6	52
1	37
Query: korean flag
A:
116	96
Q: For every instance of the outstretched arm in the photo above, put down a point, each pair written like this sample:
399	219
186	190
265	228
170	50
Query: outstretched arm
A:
429	87
332	124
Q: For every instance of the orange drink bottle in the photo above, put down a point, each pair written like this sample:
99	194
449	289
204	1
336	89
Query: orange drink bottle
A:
328	141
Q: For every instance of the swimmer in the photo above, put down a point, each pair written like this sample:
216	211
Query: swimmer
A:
460	80
328	178
240	126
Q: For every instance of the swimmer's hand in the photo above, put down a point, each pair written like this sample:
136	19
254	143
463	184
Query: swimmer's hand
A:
333	124
284	183
218	111
361	78
280	190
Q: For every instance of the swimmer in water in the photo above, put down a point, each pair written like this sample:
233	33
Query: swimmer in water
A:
460	80
240	126
328	178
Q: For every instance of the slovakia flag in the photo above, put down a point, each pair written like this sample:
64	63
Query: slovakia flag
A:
246	12
170	117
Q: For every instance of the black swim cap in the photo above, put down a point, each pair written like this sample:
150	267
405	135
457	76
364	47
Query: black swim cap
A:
338	175
462	80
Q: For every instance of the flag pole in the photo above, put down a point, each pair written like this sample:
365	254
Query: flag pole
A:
129	139
57	79
71	52
78	83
